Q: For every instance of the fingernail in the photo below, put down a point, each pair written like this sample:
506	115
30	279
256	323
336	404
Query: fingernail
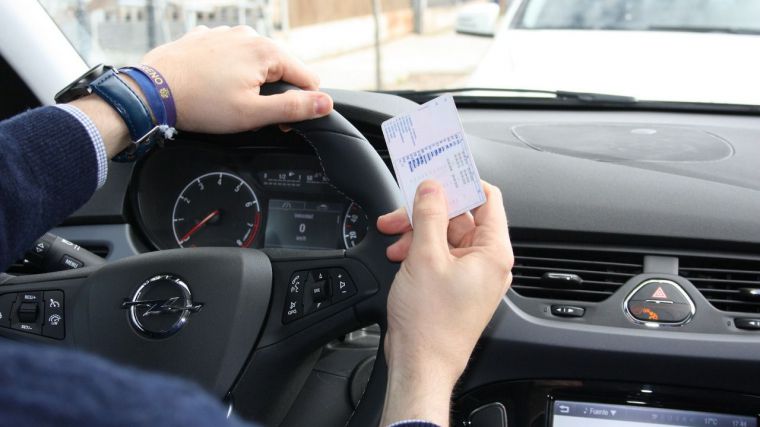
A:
426	189
321	105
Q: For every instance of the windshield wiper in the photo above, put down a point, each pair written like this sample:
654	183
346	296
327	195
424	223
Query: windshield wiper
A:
688	29
586	97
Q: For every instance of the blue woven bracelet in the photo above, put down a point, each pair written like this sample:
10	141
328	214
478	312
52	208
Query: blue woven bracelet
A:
151	94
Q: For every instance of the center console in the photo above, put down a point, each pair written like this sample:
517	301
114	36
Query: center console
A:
567	403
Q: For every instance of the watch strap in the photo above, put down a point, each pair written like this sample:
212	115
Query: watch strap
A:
135	114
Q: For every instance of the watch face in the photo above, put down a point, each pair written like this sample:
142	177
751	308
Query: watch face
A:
78	88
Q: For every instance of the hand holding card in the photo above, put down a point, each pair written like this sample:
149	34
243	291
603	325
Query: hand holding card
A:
429	143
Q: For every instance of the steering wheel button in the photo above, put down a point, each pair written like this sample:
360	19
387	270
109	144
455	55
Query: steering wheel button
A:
320	275
27	312
297	284
293	310
53	319
319	291
29	297
342	285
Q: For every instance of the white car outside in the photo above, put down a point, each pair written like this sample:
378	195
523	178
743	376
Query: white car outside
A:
665	65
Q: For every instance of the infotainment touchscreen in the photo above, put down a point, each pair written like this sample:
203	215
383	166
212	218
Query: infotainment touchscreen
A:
586	414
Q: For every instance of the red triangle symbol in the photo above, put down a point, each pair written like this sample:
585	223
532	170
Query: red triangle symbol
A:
659	293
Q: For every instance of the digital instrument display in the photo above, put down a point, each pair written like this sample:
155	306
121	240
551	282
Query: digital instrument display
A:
585	414
302	224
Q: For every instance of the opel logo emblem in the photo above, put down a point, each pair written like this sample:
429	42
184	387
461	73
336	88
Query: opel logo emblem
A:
160	306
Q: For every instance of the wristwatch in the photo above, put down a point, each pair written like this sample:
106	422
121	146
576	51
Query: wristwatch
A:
103	80
80	87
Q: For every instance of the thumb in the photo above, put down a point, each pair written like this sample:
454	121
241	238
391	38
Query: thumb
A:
430	218
291	106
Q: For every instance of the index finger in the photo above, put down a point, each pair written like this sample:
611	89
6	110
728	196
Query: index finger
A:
491	218
288	68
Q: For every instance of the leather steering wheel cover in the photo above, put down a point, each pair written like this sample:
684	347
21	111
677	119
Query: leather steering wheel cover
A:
356	170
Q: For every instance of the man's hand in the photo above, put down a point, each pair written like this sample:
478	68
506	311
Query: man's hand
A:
452	278
215	76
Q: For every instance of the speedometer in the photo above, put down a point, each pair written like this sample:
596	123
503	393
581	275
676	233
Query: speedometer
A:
355	224
216	209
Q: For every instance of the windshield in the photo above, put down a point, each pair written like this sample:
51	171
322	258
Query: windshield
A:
702	51
739	16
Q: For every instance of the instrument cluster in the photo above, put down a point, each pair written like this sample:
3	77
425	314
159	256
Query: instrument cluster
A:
193	195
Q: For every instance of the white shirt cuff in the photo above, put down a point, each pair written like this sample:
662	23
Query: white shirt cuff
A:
97	140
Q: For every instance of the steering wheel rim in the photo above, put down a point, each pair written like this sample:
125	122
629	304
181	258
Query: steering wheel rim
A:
335	140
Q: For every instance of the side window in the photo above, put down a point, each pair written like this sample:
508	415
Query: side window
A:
15	96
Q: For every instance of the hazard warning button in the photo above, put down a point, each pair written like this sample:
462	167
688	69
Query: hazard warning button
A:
661	290
659	301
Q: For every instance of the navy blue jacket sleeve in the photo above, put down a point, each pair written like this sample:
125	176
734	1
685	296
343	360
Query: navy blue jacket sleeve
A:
48	169
43	386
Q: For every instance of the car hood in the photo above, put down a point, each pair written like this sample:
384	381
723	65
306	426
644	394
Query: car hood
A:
649	65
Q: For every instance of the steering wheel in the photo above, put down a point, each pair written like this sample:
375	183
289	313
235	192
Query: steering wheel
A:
242	323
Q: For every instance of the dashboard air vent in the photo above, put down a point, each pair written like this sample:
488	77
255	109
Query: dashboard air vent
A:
566	273
729	284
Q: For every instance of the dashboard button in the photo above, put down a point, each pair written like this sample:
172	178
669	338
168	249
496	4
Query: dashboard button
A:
568	311
748	324
660	291
659	301
342	285
648	311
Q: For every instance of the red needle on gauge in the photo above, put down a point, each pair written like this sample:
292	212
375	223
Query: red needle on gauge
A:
198	226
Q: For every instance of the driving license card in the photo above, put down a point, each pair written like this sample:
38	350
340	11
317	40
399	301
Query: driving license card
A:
429	143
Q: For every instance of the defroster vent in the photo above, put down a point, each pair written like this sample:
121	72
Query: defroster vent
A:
567	273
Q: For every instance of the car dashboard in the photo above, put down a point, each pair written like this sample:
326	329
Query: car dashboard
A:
199	194
601	204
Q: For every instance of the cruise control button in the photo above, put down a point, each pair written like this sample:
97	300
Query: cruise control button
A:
6	305
29	297
53	321
342	285
28	312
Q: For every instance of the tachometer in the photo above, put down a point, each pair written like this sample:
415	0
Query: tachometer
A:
355	224
216	209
